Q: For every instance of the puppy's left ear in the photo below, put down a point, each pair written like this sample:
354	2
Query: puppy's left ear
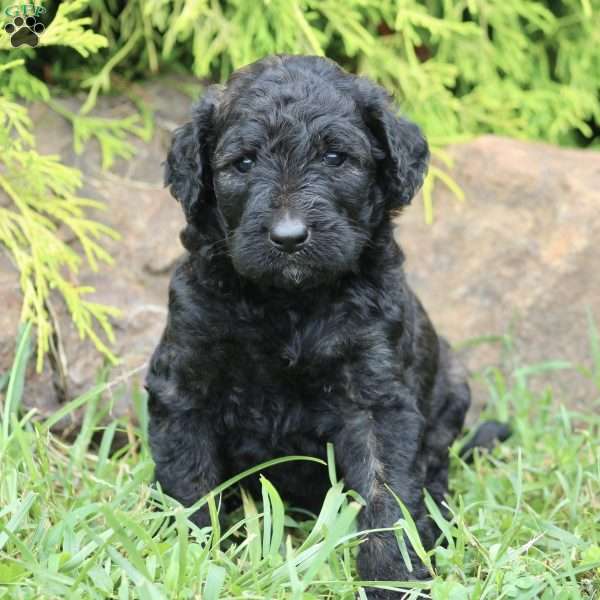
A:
400	150
187	168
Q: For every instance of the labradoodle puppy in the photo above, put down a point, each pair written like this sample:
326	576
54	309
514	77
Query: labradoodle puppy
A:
291	323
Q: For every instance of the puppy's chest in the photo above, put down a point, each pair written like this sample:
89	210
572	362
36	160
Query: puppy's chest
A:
287	349
281	382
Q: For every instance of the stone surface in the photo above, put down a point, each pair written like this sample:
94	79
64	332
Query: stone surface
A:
522	249
520	256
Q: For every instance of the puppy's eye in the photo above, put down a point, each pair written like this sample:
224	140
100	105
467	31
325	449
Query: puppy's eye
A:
334	159
244	164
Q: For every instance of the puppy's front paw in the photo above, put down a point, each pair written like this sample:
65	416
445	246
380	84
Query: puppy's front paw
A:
387	566
377	594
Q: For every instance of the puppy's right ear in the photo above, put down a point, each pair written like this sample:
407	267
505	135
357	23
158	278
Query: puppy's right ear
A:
187	168
401	149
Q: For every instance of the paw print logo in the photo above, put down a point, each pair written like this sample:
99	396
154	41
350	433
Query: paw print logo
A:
24	31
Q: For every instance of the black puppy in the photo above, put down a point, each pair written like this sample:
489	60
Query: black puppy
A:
290	320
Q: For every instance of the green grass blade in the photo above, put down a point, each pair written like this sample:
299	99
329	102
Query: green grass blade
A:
16	381
20	512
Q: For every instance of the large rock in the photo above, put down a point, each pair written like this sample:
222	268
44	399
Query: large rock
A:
520	256
520	250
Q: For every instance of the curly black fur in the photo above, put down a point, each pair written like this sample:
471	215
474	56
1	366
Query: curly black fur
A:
268	353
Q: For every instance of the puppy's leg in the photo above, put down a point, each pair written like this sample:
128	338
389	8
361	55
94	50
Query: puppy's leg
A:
379	447
451	399
185	451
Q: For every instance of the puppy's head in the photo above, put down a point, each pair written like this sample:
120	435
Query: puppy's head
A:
293	164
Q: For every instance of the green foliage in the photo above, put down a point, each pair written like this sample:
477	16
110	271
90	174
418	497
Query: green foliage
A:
42	199
458	67
77	521
43	209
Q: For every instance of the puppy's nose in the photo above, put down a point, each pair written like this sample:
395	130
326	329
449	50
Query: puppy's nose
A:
288	233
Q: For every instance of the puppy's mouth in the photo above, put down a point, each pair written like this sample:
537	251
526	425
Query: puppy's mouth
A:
289	270
294	274
278	269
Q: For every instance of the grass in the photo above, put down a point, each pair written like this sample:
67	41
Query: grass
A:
79	522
